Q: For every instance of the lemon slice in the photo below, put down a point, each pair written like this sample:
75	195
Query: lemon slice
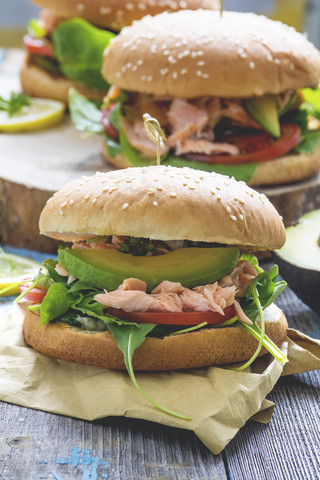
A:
41	113
13	269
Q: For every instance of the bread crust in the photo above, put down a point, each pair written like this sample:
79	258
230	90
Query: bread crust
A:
287	169
38	82
237	55
158	202
195	349
116	14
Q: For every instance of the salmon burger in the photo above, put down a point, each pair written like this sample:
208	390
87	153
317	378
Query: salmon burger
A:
65	45
229	90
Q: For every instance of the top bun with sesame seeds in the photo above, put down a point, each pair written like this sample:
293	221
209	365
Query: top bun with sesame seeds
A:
116	14
164	203
192	54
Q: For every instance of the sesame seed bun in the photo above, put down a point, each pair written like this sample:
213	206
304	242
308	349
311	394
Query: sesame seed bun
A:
116	14
190	54
289	168
38	82
190	350
164	203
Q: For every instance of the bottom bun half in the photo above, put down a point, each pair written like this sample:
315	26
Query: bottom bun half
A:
37	82
190	350
287	169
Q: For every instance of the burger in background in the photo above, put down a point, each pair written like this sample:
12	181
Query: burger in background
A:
229	91
160	274
65	46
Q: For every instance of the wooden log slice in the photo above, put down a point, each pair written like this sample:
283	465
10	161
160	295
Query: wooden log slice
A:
293	200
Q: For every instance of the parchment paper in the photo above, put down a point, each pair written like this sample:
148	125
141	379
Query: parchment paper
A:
218	400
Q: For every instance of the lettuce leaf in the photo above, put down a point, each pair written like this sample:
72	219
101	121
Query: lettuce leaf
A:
79	48
239	172
85	115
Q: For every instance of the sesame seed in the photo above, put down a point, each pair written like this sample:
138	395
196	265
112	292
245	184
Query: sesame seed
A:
87	196
155	203
124	206
242	202
219	197
213	193
63	204
80	7
228	209
71	202
172	194
241	216
233	218
61	212
192	188
159	187
277	61
218	188
94	201
105	10
252	65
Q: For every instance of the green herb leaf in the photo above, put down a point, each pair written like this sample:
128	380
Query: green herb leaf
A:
275	351
15	103
56	302
79	48
85	115
239	172
113	147
129	338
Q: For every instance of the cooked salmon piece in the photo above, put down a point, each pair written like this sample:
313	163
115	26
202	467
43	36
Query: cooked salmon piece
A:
185	119
138	301
191	145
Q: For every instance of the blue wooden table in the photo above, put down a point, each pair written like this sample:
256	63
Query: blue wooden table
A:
39	445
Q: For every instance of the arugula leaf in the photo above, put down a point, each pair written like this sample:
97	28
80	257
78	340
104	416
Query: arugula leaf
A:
113	147
129	338
79	48
56	302
239	172
85	115
50	265
275	351
15	103
267	289
308	142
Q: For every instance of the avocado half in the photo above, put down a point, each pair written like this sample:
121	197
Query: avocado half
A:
299	259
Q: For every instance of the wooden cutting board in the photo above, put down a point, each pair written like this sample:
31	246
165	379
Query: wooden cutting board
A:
34	165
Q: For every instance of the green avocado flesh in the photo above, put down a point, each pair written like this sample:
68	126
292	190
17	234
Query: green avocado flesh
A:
299	259
264	110
302	244
107	269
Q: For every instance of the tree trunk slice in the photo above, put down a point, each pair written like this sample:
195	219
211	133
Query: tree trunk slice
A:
293	200
32	167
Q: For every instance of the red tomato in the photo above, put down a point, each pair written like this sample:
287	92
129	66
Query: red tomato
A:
110	130
38	46
36	295
183	318
290	137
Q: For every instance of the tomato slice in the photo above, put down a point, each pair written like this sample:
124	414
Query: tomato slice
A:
183	318
110	130
38	46
290	137
36	295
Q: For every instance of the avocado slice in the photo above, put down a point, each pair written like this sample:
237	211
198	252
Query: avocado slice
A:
292	100
109	268
299	259
264	110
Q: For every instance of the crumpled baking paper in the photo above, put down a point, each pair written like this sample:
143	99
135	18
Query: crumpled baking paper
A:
218	400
